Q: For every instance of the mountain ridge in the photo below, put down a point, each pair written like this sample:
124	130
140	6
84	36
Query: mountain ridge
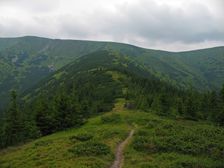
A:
102	41
26	60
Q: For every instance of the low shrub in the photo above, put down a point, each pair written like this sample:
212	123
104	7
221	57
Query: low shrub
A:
81	137
112	118
113	133
170	138
42	143
152	123
144	144
143	132
90	148
193	163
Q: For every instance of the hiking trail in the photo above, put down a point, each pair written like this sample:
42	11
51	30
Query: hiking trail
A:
119	157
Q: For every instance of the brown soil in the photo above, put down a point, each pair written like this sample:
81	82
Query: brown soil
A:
119	151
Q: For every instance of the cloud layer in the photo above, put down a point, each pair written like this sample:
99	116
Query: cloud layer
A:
161	24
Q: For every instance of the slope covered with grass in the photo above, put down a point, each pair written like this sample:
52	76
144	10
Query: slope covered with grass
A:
157	142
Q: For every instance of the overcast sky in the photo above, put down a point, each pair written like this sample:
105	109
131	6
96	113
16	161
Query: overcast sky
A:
160	24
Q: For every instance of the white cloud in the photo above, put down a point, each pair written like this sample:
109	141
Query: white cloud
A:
162	24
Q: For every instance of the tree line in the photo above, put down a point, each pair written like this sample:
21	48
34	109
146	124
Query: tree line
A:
166	100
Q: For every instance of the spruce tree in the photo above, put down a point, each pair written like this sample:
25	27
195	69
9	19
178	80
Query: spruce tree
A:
190	106
165	105
44	119
220	115
13	131
65	112
156	105
213	106
222	95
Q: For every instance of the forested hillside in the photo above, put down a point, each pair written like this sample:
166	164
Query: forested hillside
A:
89	86
25	61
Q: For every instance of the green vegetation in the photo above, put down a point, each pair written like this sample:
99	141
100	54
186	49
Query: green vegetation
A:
113	118
68	148
167	143
158	142
89	87
25	61
13	127
90	148
167	100
82	137
175	125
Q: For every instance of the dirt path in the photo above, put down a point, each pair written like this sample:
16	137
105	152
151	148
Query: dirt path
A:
119	151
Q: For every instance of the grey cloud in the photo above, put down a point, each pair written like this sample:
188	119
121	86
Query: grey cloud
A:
34	6
156	22
142	22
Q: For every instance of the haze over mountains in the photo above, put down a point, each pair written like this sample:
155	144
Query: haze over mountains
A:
27	60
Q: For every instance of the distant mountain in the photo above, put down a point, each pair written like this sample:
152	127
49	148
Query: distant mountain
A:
25	61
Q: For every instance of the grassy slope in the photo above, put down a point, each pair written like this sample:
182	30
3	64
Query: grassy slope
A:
110	129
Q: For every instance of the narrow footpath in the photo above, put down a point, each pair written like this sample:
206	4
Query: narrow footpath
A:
119	157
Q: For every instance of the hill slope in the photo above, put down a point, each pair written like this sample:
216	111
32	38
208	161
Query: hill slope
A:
76	98
89	85
157	142
27	60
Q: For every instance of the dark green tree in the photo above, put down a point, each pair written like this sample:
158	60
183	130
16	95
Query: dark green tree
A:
213	106
67	113
165	104
31	130
220	113
190	106
180	106
222	94
220	117
45	118
156	106
13	130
